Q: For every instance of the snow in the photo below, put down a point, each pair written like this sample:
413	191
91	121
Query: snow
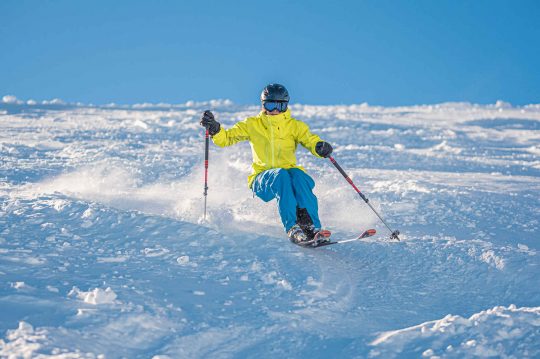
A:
95	296
104	253
183	260
496	332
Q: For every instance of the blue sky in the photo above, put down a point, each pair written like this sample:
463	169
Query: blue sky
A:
381	52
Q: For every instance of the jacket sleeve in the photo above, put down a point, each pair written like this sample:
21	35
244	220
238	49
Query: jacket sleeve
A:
306	138
229	137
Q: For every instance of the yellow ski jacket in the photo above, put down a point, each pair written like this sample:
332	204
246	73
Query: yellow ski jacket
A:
273	140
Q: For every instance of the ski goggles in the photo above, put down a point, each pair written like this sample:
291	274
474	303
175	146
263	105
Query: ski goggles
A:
270	106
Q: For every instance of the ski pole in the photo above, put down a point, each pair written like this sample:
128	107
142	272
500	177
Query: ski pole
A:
206	150
395	233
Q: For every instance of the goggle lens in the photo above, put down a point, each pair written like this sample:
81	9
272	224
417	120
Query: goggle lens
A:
274	105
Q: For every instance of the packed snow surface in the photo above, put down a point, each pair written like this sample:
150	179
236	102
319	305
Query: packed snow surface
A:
104	253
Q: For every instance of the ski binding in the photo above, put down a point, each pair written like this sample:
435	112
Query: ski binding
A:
365	234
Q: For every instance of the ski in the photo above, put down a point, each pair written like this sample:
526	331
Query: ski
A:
365	234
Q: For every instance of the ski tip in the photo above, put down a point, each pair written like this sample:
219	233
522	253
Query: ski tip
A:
367	233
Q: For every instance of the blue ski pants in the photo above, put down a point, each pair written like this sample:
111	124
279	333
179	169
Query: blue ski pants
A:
291	188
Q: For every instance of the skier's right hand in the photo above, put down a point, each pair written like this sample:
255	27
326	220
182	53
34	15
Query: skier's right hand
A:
208	121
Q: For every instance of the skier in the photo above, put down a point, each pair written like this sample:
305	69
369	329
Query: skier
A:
274	135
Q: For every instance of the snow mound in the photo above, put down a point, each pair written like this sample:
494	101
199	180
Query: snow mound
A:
95	296
498	332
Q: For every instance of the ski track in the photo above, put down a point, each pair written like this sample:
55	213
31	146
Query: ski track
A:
103	252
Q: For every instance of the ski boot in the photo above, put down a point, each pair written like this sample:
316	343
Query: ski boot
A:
297	236
314	235
304	221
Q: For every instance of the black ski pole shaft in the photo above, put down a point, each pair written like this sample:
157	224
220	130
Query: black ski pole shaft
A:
395	233
206	150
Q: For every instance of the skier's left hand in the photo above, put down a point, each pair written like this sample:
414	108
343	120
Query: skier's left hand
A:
323	149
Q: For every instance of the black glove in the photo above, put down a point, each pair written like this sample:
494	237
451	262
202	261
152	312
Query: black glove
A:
323	149
208	121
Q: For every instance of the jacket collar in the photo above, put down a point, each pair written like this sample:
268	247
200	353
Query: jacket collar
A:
276	118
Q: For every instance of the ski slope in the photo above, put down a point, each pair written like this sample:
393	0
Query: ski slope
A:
103	253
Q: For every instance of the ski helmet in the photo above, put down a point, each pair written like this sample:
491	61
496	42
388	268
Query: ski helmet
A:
275	92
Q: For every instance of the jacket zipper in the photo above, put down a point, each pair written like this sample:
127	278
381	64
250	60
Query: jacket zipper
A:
272	144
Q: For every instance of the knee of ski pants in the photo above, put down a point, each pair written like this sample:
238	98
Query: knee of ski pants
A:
266	184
